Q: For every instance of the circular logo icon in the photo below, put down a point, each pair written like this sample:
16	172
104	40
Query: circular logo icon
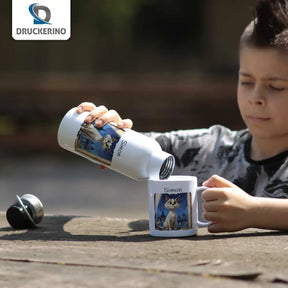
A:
34	10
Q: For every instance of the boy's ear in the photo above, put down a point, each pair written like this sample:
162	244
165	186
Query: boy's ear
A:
166	198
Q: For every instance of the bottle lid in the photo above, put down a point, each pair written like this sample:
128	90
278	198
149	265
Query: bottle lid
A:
26	212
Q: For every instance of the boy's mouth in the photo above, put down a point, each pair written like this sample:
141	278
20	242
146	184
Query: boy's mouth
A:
257	118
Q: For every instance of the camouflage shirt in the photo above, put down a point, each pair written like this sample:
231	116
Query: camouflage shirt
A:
218	150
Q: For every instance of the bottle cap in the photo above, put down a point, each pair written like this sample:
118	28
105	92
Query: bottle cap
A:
26	212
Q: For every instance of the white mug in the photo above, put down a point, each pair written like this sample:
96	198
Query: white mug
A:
175	206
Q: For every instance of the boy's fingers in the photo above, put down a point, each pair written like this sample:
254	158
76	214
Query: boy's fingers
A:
211	194
108	116
217	181
103	115
210	206
97	112
85	106
125	123
215	228
210	216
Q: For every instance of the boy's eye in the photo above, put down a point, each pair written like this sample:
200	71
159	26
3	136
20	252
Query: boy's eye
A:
246	83
276	88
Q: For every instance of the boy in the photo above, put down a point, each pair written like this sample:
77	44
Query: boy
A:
252	163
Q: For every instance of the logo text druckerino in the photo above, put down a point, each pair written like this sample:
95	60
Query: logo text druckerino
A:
48	20
40	31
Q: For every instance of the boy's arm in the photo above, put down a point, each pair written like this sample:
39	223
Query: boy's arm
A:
270	213
232	209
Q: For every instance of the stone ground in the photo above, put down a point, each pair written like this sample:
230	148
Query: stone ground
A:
95	234
67	251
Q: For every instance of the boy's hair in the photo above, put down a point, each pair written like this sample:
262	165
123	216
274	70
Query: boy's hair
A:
269	27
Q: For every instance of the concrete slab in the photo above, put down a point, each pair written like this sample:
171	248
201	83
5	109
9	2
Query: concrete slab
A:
69	251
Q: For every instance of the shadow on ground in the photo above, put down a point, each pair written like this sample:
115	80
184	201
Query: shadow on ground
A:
52	229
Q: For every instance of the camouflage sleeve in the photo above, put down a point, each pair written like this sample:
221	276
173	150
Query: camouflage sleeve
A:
195	147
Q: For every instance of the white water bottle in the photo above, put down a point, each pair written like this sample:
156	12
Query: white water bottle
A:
123	150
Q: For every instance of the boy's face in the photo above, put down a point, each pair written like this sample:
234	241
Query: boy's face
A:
263	92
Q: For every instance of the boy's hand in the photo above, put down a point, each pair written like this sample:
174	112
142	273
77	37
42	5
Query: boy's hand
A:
102	115
226	205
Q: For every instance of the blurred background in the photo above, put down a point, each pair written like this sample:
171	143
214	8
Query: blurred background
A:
166	64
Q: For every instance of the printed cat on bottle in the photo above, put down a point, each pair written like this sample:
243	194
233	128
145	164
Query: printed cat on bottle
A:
89	131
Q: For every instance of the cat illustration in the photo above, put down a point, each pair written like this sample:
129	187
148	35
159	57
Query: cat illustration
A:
89	131
171	219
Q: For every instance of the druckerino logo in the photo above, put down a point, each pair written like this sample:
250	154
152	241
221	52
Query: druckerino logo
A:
48	20
34	10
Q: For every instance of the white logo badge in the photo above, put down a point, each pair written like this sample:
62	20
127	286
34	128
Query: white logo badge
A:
43	20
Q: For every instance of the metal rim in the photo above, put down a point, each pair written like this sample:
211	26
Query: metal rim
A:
25	210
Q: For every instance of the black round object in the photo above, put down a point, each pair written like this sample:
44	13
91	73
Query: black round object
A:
17	218
26	212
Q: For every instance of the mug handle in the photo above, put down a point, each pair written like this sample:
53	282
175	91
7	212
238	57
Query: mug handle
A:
202	222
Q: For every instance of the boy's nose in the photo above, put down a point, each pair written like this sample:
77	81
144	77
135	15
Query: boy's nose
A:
257	96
